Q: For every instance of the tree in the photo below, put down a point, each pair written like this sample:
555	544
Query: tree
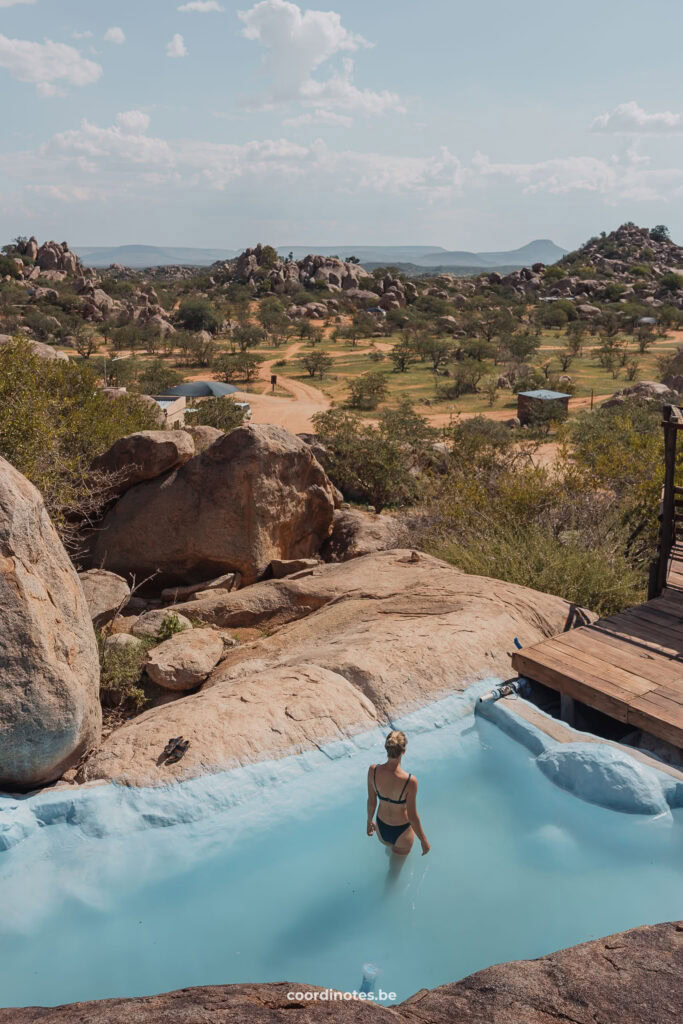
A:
671	282
222	413
317	363
198	314
85	341
157	378
368	390
566	359
234	365
660	233
521	346
491	389
402	355
247	335
439	351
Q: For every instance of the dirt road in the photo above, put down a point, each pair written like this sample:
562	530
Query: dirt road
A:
295	413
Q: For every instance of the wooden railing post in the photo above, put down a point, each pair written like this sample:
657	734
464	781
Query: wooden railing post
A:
670	422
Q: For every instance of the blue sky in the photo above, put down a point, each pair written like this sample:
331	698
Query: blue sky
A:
435	122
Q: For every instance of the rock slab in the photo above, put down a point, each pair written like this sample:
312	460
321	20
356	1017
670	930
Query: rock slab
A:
634	977
49	668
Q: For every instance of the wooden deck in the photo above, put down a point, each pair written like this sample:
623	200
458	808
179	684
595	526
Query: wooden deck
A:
628	665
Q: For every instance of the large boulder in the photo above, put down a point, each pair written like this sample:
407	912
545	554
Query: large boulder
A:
145	455
49	669
106	594
256	494
184	661
634	977
356	533
366	640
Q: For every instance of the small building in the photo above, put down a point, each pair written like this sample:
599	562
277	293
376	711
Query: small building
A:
533	405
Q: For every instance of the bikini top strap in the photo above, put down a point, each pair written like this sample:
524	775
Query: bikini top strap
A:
405	787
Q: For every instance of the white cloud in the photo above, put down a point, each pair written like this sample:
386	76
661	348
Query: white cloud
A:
15	3
630	119
176	47
46	63
83	35
298	43
629	177
319	117
115	35
201	6
134	121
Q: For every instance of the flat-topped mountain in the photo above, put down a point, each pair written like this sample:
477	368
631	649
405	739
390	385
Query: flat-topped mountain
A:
541	250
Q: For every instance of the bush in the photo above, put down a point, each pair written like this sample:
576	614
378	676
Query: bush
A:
221	413
54	421
121	671
170	625
198	314
368	390
367	463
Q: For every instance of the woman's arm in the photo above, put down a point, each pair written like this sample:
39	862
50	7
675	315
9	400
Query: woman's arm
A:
372	802
413	816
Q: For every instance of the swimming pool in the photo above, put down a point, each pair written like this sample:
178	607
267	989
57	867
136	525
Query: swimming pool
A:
284	883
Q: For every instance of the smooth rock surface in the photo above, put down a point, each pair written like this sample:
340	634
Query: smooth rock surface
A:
394	629
356	533
146	455
49	668
185	660
634	977
106	594
256	494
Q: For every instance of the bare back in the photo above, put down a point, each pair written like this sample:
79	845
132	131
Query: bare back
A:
391	786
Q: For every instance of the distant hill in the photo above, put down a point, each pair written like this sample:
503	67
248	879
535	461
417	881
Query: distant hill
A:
542	250
139	256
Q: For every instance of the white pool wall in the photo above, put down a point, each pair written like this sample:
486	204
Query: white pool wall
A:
593	771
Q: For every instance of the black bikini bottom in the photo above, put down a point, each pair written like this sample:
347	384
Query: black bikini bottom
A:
390	833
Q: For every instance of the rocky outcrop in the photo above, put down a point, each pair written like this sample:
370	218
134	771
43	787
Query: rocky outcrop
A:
362	642
56	256
643	391
634	977
256	494
49	679
356	533
184	661
145	456
106	595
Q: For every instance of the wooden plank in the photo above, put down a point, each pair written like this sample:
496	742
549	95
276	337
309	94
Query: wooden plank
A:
609	634
651	625
671	693
604	670
545	667
646	714
656	668
633	626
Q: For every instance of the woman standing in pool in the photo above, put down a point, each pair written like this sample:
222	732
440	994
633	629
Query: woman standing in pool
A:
397	819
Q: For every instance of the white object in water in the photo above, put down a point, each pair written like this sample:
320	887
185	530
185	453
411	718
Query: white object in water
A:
369	981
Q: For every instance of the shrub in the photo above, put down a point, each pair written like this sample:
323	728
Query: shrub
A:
170	625
121	671
221	413
368	390
54	421
198	314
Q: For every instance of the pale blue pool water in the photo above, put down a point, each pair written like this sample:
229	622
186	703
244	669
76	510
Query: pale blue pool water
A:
287	886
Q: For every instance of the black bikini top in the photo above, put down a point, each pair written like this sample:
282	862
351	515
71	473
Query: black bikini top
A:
387	799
